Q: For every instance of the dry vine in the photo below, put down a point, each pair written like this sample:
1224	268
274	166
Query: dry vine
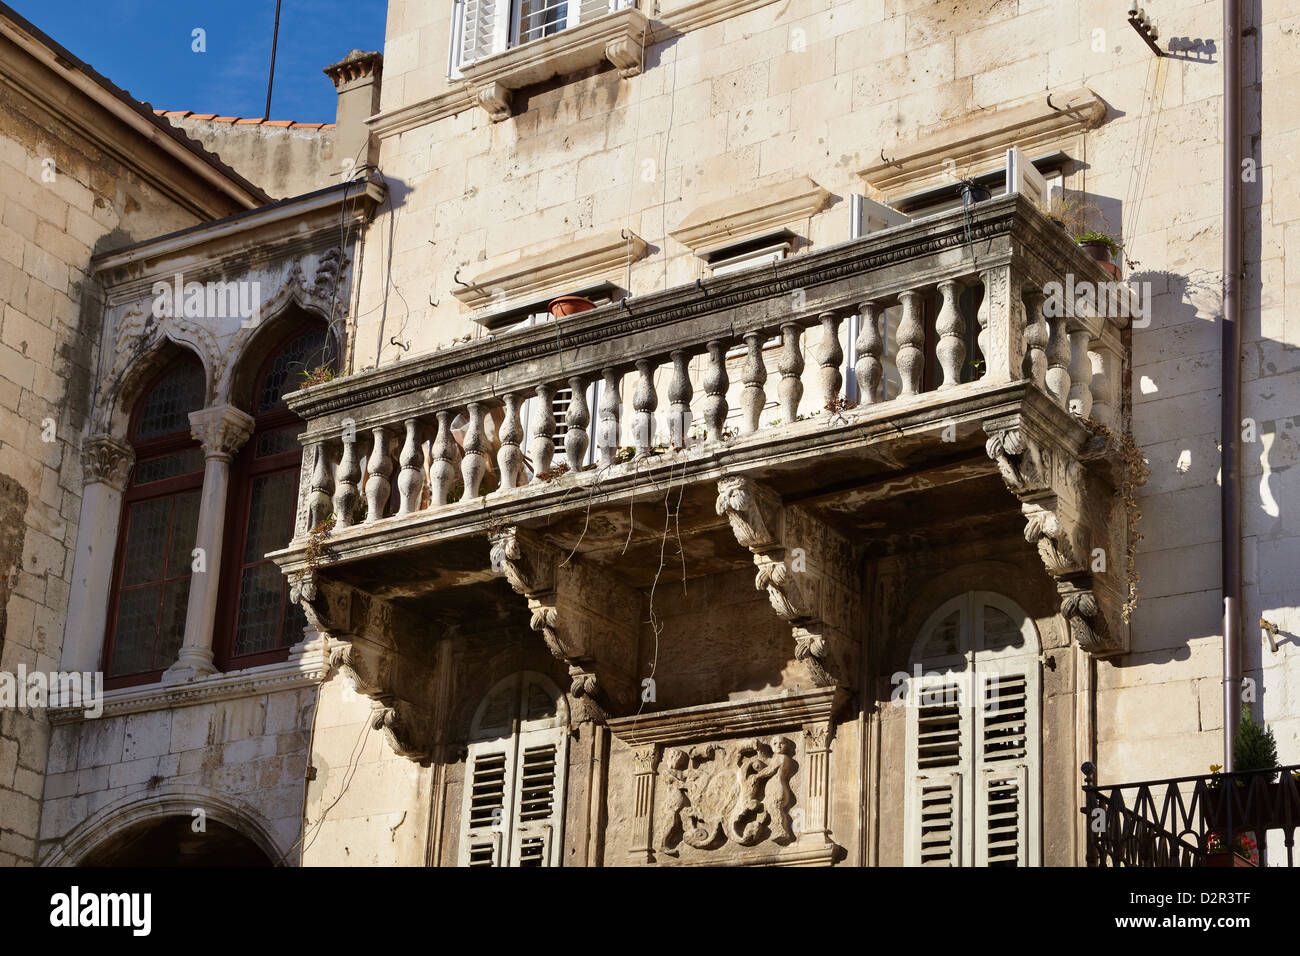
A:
1134	475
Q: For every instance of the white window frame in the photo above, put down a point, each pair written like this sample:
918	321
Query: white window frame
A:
508	29
970	847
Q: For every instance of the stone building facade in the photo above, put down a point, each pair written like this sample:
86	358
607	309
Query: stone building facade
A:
825	538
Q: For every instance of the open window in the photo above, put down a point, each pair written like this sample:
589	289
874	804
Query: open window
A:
160	514
515	772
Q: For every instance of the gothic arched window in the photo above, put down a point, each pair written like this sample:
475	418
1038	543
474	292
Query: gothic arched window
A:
973	736
259	623
160	511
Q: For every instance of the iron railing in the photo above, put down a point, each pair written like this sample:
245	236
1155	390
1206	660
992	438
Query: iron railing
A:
1219	819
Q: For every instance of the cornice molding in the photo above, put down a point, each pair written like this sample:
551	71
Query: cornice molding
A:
305	671
1050	121
749	214
700	14
730	718
601	256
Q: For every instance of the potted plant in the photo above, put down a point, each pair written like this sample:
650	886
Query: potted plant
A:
1259	800
971	192
1089	228
569	305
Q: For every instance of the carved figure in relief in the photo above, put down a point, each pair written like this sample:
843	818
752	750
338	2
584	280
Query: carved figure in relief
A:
672	772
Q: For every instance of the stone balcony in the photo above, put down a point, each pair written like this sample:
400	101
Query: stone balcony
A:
408	519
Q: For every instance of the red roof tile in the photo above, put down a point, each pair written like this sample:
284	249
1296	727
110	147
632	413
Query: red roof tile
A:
243	121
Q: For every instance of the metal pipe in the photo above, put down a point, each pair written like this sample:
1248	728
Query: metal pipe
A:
270	79
1230	425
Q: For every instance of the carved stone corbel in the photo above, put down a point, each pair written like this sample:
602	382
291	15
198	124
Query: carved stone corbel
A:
378	652
597	650
1064	515
495	100
625	53
802	565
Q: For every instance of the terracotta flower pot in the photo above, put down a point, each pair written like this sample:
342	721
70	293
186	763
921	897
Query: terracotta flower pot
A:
569	305
1100	252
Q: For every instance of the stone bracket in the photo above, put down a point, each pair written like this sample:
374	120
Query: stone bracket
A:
378	648
805	567
1071	513
561	609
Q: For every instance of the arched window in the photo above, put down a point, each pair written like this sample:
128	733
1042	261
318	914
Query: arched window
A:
160	512
973	737
259	623
513	811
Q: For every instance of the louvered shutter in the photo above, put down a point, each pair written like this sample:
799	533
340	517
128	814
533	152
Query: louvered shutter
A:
488	804
1001	794
483	29
941	743
538	800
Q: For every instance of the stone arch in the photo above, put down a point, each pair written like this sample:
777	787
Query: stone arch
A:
140	354
168	801
251	344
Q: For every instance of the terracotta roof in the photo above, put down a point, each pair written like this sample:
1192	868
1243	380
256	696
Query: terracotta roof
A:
239	120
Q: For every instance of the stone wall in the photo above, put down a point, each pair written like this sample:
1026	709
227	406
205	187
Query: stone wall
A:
64	199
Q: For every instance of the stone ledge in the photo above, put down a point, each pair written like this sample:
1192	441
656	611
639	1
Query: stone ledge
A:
1046	123
307	669
567	265
749	215
711	721
618	37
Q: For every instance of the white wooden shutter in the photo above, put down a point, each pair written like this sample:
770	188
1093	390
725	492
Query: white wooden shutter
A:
1001	794
538	800
485	819
939	745
483	29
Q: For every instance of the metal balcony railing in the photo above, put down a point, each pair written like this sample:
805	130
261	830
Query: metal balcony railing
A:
1218	819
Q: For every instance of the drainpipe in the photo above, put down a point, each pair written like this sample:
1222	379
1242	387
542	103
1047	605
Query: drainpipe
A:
1230	427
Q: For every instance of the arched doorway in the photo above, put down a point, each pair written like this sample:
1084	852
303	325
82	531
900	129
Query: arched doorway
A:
173	841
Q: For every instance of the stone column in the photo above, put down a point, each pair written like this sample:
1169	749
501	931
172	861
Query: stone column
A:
817	767
647	763
221	429
107	463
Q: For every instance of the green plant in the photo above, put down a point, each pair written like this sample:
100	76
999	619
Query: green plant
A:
317	376
1094	235
1254	747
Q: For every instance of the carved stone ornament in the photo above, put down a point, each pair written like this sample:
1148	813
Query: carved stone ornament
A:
221	430
407	727
107	460
1051	486
735	792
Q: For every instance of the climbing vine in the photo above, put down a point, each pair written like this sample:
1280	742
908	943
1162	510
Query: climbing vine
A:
1133	475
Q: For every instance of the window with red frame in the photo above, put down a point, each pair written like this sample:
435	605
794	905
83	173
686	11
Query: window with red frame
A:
260	623
160	512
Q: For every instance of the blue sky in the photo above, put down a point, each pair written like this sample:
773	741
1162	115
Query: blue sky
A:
144	46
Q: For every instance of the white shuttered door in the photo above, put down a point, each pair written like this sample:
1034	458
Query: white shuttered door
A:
973	738
513	810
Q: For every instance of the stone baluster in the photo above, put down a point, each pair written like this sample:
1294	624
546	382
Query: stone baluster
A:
715	390
868	369
442	472
474	464
410	480
679	399
1080	394
608	412
510	459
577	418
380	469
1100	386
542	444
951	329
347	494
790	365
911	340
644	403
1057	375
319	505
830	356
1035	367
754	376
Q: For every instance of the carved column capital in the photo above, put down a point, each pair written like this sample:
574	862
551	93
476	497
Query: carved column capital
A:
106	460
752	511
221	429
